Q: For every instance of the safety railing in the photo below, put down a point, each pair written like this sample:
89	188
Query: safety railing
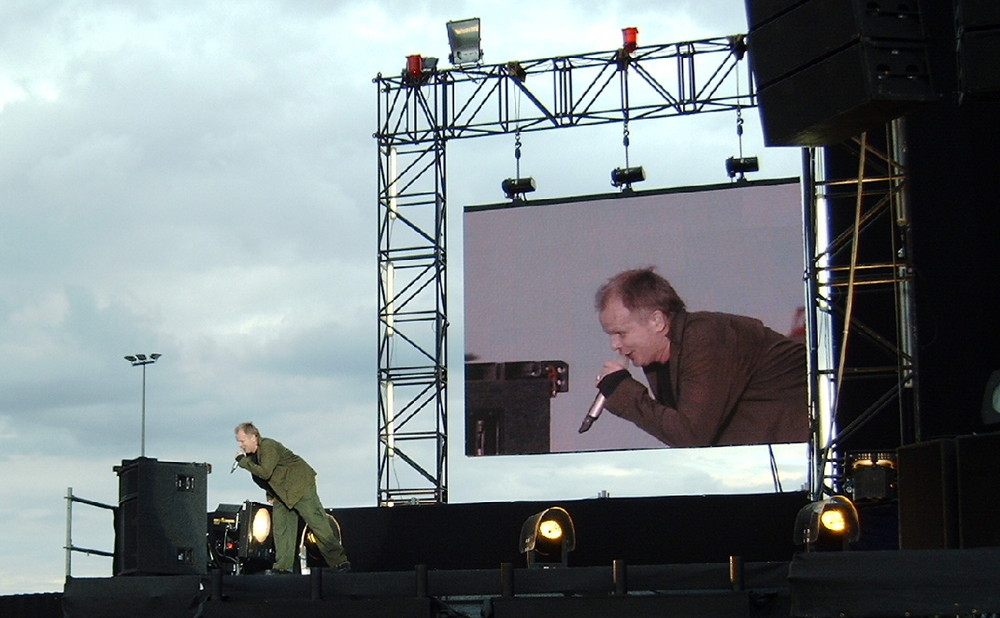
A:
70	547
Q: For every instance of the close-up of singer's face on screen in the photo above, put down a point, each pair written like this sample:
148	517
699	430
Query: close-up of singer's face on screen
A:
539	338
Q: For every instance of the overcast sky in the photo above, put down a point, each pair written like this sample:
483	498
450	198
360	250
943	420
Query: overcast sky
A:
198	179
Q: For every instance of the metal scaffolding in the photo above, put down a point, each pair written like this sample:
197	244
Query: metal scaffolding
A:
861	326
419	111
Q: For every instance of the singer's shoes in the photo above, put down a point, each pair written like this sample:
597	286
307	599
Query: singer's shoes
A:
277	572
343	567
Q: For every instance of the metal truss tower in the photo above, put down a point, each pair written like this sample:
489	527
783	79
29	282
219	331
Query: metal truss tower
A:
861	327
419	111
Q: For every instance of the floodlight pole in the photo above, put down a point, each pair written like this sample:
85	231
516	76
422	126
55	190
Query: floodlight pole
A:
141	360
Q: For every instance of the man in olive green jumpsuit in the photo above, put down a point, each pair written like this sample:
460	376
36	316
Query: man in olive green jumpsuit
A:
290	484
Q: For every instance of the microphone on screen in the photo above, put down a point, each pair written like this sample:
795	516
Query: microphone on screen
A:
597	407
594	412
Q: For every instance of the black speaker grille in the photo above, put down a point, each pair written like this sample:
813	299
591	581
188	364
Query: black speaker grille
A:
162	524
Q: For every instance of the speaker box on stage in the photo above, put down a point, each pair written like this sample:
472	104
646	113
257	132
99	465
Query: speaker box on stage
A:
509	417
827	70
762	11
978	51
978	486
161	525
928	510
974	14
977	23
949	493
508	406
856	89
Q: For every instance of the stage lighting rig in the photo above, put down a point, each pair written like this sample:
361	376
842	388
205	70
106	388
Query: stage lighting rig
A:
741	166
630	42
255	539
517	71
623	177
464	41
418	69
547	537
311	555
827	525
222	538
871	476
515	188
630	39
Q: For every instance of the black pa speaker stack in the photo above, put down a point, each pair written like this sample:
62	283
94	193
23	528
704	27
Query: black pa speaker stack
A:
161	524
949	493
977	27
827	70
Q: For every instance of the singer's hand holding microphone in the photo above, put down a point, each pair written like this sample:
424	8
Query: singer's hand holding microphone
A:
236	464
597	407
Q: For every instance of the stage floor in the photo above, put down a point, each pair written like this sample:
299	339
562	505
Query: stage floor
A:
854	583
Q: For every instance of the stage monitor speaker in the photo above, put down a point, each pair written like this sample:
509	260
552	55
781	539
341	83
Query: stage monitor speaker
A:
978	470
854	90
949	493
162	524
928	509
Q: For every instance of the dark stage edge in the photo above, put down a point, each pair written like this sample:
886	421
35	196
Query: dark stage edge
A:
857	583
675	590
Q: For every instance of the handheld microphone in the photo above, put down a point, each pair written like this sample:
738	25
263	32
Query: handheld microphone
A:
594	412
236	464
597	407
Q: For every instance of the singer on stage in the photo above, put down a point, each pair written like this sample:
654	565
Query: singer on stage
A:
290	484
714	378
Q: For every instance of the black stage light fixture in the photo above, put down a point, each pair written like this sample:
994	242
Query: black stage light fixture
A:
871	476
310	550
517	71
464	41
255	537
222	538
547	537
741	166
623	177
515	188
827	525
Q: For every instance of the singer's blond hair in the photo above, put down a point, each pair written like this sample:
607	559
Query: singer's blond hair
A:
249	429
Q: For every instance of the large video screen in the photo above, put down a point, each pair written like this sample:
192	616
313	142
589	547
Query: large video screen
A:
535	343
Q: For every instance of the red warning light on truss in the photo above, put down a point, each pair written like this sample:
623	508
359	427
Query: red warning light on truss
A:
630	39
415	65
